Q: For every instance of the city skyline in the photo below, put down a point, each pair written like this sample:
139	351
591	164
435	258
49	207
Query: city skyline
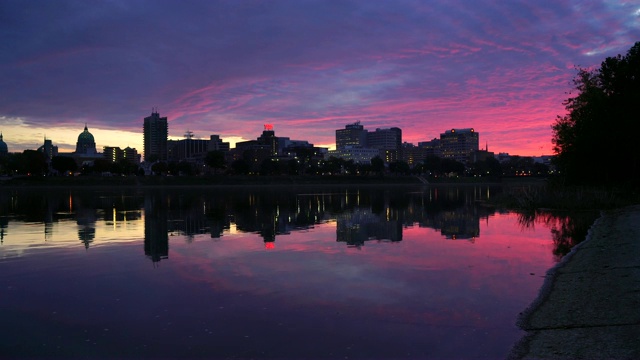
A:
309	68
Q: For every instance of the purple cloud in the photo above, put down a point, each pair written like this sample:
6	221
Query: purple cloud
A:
308	67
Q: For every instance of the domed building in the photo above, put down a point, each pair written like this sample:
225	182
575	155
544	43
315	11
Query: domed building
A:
4	150
86	145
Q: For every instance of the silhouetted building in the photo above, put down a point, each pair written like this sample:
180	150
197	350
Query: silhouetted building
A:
113	154
187	149
48	149
216	144
458	144
430	148
194	150
388	141
156	132
352	136
412	154
358	155
503	157
86	144
481	155
4	150
268	138
254	152
131	155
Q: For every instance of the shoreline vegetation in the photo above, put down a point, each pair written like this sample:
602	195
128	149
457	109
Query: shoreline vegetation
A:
240	180
523	194
555	197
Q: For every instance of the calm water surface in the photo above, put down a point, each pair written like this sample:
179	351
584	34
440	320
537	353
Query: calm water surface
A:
370	272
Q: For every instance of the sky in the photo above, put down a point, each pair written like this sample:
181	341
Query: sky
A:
308	68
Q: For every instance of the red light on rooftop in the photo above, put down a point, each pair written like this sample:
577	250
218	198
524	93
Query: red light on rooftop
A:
268	127
270	245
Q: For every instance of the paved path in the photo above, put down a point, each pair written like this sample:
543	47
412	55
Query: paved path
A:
589	307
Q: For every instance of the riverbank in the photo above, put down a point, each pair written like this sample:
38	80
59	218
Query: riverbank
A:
197	181
242	180
588	306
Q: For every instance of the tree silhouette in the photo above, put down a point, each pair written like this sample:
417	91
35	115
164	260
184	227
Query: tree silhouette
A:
377	165
30	162
596	141
62	164
240	167
215	160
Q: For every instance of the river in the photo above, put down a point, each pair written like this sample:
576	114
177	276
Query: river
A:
270	272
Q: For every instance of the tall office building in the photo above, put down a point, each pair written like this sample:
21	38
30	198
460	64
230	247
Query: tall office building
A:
352	136
48	149
216	144
387	139
458	144
156	131
112	154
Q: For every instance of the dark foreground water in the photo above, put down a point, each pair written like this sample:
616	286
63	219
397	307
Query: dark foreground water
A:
370	272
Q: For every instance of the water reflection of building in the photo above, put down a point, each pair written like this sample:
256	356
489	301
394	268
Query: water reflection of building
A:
360	225
452	211
270	214
86	220
4	222
156	235
193	214
458	224
362	214
263	214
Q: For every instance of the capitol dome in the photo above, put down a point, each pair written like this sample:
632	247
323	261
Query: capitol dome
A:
86	144
4	150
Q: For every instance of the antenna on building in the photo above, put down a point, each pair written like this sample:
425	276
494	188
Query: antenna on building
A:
188	134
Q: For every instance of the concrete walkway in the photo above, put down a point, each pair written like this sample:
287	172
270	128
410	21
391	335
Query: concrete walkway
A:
589	306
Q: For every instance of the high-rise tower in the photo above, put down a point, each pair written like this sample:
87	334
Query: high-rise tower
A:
156	131
458	144
352	136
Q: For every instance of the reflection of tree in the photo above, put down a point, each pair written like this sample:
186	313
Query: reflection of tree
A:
567	230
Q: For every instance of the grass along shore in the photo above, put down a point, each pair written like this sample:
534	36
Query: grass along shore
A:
556	197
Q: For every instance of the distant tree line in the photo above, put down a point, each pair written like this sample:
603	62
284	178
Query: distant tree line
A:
34	163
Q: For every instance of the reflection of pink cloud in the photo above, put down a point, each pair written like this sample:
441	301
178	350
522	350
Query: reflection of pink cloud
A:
383	275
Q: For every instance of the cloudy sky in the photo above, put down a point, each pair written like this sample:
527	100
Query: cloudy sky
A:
502	67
